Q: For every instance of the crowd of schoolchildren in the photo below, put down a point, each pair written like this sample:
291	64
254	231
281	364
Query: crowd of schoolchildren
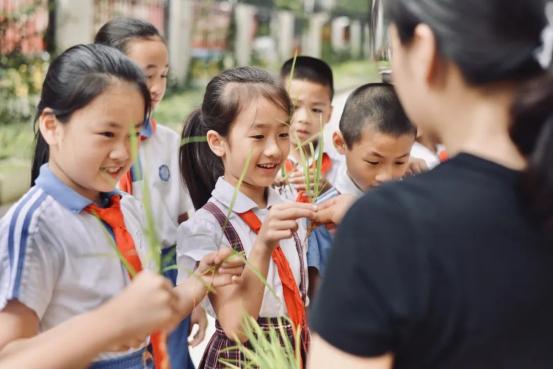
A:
239	204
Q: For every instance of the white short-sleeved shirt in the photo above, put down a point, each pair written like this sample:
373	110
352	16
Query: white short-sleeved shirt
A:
344	184
58	260
202	234
159	160
420	151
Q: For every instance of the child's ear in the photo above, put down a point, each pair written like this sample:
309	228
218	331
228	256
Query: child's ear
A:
49	127
339	142
216	143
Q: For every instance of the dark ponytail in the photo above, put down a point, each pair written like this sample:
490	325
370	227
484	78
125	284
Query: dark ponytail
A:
225	96
200	167
494	41
77	77
532	132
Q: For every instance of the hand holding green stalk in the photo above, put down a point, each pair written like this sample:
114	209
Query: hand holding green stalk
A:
281	222
333	210
217	269
220	268
298	179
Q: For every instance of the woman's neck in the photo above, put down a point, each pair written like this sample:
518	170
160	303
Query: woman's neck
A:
478	123
255	193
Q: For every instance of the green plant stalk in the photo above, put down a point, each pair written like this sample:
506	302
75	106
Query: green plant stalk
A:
319	166
193	139
292	72
128	267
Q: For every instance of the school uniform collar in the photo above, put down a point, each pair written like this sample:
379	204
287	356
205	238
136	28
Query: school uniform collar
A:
345	185
224	192
65	195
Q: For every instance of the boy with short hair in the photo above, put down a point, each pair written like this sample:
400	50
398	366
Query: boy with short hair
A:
376	138
310	84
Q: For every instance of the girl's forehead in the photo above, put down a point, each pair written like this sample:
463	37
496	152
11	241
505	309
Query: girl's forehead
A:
148	50
263	112
121	103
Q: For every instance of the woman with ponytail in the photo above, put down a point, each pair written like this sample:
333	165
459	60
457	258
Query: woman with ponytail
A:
454	268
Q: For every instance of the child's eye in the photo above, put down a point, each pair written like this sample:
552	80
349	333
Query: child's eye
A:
257	137
284	135
107	134
149	77
375	163
318	111
164	76
400	162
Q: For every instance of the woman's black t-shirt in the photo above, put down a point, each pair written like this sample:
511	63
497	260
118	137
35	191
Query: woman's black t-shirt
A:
444	271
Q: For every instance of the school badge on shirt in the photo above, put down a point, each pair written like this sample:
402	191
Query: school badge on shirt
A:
164	173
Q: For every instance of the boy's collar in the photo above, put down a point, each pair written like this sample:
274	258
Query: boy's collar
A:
224	193
65	195
346	185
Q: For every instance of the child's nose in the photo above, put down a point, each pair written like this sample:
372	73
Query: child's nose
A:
272	149
121	151
301	115
384	175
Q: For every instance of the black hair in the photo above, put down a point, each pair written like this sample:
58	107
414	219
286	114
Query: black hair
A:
119	32
225	96
374	105
496	41
310	69
74	79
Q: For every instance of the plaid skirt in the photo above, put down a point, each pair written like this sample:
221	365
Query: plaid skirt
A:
221	347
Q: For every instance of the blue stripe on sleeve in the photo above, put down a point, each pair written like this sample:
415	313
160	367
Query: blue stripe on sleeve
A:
22	242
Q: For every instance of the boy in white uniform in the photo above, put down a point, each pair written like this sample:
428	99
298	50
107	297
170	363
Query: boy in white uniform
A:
375	138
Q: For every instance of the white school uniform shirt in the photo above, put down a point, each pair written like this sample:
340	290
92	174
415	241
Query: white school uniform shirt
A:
420	151
159	160
344	184
202	235
57	259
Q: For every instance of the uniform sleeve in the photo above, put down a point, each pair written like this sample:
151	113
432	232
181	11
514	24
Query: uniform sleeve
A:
196	238
376	284
319	243
185	205
30	263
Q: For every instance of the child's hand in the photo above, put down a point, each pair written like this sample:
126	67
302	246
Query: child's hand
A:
416	166
221	268
297	179
333	210
281	222
147	304
197	318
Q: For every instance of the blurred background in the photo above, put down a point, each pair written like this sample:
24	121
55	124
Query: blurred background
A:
203	36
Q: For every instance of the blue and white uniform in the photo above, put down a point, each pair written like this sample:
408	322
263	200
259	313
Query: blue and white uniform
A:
59	261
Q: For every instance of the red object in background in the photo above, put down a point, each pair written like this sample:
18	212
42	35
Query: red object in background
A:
23	31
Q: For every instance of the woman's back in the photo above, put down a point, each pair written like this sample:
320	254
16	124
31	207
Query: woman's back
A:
465	284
